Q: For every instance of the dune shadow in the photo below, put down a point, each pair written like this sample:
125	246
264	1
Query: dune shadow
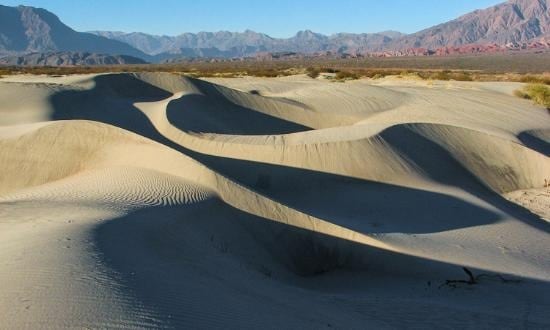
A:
361	205
208	262
438	164
110	101
373	207
212	112
434	161
214	228
195	265
533	142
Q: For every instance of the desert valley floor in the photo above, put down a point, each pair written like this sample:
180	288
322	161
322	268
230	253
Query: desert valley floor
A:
156	200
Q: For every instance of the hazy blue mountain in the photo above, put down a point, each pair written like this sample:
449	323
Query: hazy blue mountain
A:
28	29
250	42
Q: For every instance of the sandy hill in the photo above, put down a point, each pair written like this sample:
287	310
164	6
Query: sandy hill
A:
158	201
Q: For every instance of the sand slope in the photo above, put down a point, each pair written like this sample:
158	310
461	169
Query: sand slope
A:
153	200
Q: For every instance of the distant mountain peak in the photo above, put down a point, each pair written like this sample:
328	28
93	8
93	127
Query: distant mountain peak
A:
392	34
514	21
29	29
308	34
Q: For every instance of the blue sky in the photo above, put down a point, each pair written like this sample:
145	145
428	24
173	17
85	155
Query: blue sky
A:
278	18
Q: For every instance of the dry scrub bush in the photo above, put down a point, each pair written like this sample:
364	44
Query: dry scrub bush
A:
312	72
346	75
535	79
539	93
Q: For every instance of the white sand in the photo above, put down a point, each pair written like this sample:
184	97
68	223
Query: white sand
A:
151	200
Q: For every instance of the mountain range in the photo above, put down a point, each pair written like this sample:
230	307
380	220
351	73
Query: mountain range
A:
26	30
250	42
68	58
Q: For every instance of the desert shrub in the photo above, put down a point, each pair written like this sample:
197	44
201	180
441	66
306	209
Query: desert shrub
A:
313	72
535	79
377	74
346	75
424	75
441	75
202	74
268	73
329	70
409	74
372	74
539	93
521	94
230	74
461	76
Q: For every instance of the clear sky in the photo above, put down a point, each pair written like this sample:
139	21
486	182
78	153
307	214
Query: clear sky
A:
277	18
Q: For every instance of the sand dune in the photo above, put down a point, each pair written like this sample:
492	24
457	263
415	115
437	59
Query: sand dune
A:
154	200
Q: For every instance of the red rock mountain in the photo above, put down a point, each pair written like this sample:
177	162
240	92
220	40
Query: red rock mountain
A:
512	22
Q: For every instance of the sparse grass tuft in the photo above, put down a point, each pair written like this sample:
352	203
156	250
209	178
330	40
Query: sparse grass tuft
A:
539	93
